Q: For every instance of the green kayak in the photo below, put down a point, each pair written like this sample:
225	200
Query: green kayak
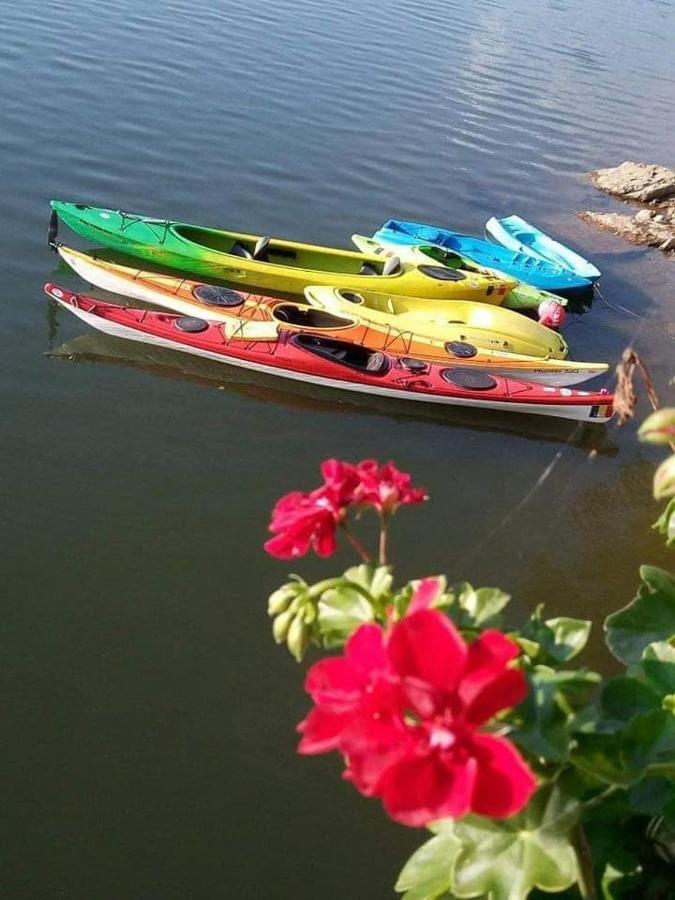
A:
264	263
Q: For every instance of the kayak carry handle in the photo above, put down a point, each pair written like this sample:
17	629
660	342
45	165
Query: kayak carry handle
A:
53	231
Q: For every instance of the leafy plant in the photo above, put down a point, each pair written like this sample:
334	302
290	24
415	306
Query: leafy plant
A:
534	775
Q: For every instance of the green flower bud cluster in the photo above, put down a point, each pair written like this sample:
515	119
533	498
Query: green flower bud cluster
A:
294	612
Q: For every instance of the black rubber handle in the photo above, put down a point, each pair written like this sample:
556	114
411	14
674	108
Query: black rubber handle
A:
53	231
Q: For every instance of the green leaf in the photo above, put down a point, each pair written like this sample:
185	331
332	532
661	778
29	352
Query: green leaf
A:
542	729
648	618
665	524
570	637
482	605
559	639
375	580
340	612
625	697
505	859
428	873
658	667
649	743
651	796
542	722
599	757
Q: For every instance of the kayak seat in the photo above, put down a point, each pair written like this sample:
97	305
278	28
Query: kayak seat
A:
367	269
347	354
392	266
376	362
238	249
260	249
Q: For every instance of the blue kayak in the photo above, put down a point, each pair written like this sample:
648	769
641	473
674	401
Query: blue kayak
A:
523	266
516	234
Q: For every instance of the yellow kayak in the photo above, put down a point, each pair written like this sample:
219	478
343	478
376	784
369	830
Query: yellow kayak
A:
520	296
270	264
478	324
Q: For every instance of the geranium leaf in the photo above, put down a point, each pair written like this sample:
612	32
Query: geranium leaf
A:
428	873
599	756
542	720
559	639
340	611
570	637
658	667
505	859
625	697
648	618
650	796
649	743
375	580
483	605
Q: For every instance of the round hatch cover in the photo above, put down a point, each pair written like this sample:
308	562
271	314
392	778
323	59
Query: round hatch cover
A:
472	381
460	349
191	324
441	273
217	296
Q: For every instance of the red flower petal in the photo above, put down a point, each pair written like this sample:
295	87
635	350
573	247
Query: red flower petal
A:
420	790
507	688
372	745
487	686
428	590
334	681
426	645
286	546
504	783
341	479
321	730
365	649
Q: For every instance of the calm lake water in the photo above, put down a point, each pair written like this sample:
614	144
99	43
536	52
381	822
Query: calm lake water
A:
148	743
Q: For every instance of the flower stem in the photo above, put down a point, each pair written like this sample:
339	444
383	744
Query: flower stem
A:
356	544
384	539
585	863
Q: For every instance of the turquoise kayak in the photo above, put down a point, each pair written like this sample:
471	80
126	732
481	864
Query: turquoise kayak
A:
519	236
525	267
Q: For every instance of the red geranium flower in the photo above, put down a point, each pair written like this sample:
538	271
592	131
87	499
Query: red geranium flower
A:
405	709
385	487
302	521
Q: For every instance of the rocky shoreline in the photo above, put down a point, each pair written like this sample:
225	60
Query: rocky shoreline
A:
653	187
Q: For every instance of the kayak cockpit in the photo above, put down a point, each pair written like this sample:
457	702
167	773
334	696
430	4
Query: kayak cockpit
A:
309	317
344	353
281	253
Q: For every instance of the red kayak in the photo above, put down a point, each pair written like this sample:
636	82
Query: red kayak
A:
303	356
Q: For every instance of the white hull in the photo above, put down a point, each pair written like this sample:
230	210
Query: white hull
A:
578	413
564	376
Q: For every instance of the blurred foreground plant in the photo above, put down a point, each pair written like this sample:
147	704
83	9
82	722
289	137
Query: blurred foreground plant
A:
531	775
